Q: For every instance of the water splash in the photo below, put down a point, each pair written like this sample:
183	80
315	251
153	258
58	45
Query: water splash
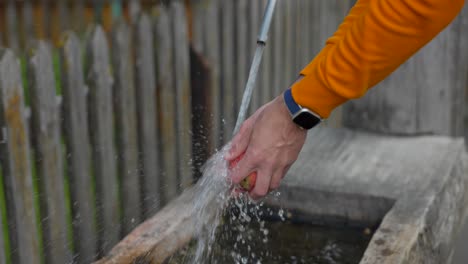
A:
218	209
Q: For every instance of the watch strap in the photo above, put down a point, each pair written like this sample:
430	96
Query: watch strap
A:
293	107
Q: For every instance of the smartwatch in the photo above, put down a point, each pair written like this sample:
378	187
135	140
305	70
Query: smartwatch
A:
302	116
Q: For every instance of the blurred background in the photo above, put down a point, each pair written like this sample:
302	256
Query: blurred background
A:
110	108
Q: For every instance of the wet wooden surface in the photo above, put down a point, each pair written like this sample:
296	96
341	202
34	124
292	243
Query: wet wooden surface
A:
75	127
101	121
126	125
16	165
46	128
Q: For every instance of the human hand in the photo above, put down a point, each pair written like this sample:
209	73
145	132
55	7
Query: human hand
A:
270	142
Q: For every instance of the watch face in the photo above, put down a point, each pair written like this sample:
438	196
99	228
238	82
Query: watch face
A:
306	119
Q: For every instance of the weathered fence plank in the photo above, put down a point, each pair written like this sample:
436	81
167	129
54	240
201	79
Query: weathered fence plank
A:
267	73
167	106
46	18
78	148
240	53
101	120
134	10
277	49
227	69
11	24
16	163
28	32
126	125
289	43
213	55
183	93
48	155
63	16
77	16
147	116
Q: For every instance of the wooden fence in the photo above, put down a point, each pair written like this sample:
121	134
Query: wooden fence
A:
96	133
101	130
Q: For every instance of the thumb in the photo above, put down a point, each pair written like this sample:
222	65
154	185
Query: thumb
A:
240	141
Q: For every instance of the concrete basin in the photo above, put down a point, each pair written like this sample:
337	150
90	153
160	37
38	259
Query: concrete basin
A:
414	189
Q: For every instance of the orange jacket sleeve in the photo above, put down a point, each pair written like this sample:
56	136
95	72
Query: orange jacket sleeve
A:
375	38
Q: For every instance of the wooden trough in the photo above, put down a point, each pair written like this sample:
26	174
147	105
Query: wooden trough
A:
415	187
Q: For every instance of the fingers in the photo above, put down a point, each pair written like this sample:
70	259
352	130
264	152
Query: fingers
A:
240	141
243	168
276	179
262	186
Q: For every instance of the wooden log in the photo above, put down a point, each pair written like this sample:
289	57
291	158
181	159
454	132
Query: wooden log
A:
126	125
423	95
227	69
101	120
241	62
183	92
48	155
77	142
166	101
16	165
147	116
12	25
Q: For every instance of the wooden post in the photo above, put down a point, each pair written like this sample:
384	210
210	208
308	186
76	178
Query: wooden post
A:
16	163
166	101
147	114
78	148
425	95
101	120
183	92
227	69
48	155
126	125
